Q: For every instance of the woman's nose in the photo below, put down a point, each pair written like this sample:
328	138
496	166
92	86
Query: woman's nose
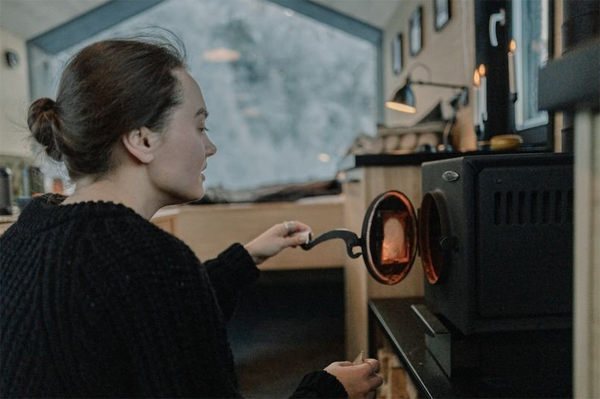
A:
211	149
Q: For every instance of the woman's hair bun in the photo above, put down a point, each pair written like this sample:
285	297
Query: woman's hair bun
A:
44	125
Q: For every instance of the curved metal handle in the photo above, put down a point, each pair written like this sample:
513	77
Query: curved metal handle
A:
350	238
497	18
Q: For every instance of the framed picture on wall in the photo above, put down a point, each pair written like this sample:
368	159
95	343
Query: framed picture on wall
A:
397	60
416	31
442	13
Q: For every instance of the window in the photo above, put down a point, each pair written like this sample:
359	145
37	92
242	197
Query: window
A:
287	94
498	25
531	30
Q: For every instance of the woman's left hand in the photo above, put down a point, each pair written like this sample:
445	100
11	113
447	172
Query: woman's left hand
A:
277	238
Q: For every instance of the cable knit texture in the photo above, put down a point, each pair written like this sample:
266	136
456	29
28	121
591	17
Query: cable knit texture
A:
99	302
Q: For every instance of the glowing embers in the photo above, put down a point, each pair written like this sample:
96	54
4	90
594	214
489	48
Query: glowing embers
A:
394	247
391	237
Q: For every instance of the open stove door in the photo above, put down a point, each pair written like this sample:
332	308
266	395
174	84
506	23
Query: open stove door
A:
435	238
389	238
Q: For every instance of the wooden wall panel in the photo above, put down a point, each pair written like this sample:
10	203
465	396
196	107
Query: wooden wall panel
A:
450	56
586	367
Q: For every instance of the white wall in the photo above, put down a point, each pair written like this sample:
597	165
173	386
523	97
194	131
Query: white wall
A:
449	54
14	98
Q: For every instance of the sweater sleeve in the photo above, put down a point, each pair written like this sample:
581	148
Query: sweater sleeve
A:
319	384
165	310
230	273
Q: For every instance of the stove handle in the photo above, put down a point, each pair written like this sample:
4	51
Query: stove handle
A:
350	238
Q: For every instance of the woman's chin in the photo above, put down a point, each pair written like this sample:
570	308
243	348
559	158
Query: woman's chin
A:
198	194
189	196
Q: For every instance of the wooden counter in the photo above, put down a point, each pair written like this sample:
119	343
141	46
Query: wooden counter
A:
209	229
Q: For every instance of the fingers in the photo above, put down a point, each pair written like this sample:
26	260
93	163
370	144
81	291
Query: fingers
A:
344	364
374	364
371	367
360	381
289	227
375	381
295	233
302	237
366	368
293	226
301	226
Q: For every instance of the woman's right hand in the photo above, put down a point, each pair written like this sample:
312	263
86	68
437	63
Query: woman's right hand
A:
360	381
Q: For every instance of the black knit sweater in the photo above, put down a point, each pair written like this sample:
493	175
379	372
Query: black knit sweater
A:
99	302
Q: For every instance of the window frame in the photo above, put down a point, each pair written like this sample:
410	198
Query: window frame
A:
538	136
532	125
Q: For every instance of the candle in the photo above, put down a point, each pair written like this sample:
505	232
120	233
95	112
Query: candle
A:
475	102
512	84
483	93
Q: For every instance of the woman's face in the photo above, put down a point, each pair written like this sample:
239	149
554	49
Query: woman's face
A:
176	170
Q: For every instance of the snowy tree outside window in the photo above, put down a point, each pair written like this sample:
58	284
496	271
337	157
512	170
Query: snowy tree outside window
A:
287	94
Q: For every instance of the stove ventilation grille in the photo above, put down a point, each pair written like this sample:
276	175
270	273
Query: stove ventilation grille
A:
534	207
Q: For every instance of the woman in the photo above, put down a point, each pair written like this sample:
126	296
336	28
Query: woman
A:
97	301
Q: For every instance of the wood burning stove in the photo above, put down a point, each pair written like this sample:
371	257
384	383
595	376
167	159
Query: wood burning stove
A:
496	241
495	234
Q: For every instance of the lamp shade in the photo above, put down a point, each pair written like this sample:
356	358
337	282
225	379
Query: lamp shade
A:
403	100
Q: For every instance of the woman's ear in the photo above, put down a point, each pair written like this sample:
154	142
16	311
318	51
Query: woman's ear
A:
141	144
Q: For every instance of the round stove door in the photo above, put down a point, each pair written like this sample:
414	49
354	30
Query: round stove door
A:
435	240
389	233
390	237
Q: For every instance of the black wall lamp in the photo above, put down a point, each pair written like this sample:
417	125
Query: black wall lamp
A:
404	99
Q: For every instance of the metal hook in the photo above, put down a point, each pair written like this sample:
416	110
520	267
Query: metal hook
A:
497	18
350	238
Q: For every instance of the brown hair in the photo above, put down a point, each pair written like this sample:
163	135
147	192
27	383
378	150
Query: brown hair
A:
108	89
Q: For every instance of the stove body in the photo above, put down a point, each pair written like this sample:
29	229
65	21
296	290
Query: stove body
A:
511	218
